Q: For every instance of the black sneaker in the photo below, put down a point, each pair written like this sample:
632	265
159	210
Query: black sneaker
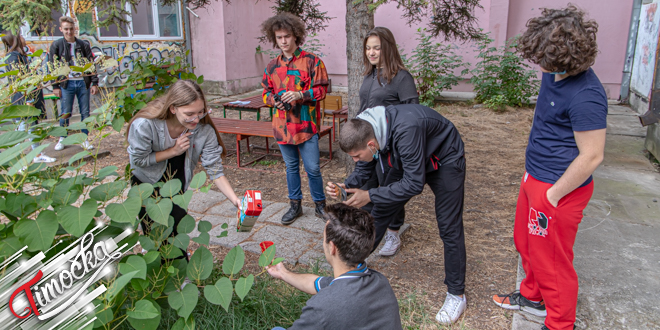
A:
544	327
516	301
319	210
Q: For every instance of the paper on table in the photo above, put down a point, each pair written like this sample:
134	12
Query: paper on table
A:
240	102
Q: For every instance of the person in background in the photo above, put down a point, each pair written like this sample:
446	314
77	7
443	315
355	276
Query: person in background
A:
72	51
355	297
386	82
17	59
168	137
566	145
294	82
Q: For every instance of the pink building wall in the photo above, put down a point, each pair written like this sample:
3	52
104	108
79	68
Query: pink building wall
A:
224	38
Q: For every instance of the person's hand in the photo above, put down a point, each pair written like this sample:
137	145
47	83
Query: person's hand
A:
277	271
279	105
359	199
290	97
57	92
331	190
94	90
182	144
237	203
551	198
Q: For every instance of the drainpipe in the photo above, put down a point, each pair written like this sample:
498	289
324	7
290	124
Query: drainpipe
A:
630	52
186	20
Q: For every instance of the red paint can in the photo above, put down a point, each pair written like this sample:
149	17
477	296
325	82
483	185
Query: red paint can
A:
250	210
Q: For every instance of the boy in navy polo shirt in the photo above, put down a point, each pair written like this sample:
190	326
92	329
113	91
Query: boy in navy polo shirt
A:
356	297
566	144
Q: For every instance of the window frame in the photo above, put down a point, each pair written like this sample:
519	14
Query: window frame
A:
129	33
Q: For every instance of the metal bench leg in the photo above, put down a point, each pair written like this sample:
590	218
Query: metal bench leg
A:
258	114
330	144
238	150
247	139
224	112
334	130
267	146
240	114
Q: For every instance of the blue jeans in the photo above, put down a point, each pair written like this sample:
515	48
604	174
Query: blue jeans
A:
75	89
278	328
309	151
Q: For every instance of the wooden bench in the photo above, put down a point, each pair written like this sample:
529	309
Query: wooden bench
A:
244	129
255	105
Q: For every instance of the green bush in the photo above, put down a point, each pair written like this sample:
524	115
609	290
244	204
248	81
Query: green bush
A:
433	66
501	78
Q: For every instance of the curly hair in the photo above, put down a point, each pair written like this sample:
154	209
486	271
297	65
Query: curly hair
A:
284	21
560	40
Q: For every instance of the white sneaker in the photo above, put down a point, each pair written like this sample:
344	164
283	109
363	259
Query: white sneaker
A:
87	146
44	159
391	246
59	146
452	309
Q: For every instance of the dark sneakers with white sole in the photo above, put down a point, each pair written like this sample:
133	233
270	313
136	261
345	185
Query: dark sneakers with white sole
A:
516	301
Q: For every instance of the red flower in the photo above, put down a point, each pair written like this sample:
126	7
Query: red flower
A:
264	245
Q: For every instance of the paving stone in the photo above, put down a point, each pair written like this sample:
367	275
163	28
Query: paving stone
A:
233	237
270	210
226	209
290	242
308	221
201	202
312	257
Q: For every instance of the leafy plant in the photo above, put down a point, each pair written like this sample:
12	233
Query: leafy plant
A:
148	73
501	78
47	208
433	66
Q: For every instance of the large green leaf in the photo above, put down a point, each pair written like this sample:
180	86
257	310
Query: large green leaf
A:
184	301
202	239
118	123
119	284
138	317
171	188
107	191
77	126
204	226
106	171
38	234
57	131
220	293
66	193
13	137
75	220
170	251
198	180
77	138
144	310
79	156
10	245
125	212
142	191
26	160
134	263
13	152
234	261
183	200
147	243
184	324
267	256
200	265
160	212
181	241
243	286
186	225
19	111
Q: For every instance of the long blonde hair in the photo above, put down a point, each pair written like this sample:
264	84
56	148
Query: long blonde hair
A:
182	93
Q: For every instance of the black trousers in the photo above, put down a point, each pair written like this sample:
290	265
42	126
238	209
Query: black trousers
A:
448	186
380	175
175	170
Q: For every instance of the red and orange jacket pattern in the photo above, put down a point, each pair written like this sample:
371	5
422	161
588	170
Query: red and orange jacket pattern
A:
304	72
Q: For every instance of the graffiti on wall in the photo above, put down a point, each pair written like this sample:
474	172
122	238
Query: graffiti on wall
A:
645	50
123	52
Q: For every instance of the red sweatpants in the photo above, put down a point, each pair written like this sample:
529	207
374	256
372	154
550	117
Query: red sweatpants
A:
544	236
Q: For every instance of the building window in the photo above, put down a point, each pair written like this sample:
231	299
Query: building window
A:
148	20
168	20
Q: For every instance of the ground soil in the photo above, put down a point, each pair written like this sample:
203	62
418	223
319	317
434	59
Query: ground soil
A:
494	144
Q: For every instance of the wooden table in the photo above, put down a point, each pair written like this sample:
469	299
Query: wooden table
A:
244	129
255	105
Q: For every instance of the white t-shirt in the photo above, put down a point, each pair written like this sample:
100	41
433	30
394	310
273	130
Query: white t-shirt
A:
74	75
